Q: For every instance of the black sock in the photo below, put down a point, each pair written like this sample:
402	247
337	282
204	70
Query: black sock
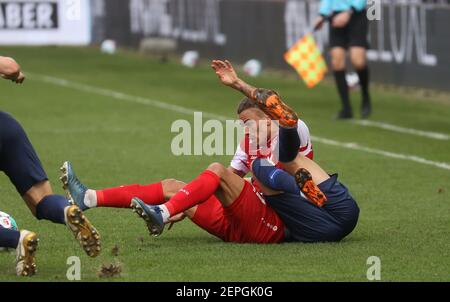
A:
9	238
363	75
52	208
342	87
289	143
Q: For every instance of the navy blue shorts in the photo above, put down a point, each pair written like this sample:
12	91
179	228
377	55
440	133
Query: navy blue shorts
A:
308	223
18	160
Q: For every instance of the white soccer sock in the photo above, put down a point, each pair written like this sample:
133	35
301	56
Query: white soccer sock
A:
90	198
165	213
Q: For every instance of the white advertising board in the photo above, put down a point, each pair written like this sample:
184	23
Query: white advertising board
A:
45	22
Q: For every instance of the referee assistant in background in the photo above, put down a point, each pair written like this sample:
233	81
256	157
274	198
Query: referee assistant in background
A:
348	31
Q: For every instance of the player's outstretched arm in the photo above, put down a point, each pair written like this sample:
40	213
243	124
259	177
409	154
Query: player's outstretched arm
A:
10	70
229	77
267	100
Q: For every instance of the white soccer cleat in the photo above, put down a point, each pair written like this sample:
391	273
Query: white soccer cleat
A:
26	250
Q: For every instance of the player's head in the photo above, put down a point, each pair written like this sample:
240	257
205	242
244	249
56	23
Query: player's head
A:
253	117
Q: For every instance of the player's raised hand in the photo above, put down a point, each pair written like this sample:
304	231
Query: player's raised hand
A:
225	72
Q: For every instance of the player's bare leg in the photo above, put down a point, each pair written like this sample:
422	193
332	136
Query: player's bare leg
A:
36	193
308	175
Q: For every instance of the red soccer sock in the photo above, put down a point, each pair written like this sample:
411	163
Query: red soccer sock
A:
120	197
195	192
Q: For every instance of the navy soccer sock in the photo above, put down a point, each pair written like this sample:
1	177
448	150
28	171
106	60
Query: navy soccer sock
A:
52	208
363	75
289	144
342	87
9	238
274	178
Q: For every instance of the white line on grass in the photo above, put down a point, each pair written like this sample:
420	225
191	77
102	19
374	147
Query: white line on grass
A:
390	127
355	146
180	109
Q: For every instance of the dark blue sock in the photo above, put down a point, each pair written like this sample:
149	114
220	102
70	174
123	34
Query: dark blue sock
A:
52	208
9	238
288	144
274	178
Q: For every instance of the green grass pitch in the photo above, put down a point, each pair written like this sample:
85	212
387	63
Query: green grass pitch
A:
405	205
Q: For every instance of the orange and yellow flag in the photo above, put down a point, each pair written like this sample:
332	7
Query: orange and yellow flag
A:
307	60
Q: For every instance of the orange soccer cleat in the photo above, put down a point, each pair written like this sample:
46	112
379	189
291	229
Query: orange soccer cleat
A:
309	188
272	105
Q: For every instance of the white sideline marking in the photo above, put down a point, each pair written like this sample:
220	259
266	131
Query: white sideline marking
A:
390	127
355	146
180	109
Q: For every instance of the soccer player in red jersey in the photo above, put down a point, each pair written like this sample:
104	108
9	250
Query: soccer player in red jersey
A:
210	213
330	217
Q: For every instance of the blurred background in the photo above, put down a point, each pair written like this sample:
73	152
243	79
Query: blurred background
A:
410	43
97	94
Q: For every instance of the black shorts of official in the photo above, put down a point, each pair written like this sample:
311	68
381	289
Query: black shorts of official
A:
353	34
305	222
18	160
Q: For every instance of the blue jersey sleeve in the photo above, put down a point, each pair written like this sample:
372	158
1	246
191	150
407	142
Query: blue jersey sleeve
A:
325	7
358	5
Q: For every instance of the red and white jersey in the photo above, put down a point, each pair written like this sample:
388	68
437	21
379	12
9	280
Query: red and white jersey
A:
243	158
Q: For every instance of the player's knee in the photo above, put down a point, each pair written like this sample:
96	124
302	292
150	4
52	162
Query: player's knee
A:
359	63
217	168
171	186
338	63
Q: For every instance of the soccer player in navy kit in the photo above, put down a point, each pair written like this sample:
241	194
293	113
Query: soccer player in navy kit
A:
19	161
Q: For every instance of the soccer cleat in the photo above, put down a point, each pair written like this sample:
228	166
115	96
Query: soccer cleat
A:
151	215
309	188
83	230
366	108
75	190
26	250
344	114
272	105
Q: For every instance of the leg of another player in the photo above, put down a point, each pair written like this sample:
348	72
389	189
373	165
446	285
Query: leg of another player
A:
307	173
317	173
44	204
338	66
25	243
120	197
216	180
231	185
358	59
115	197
